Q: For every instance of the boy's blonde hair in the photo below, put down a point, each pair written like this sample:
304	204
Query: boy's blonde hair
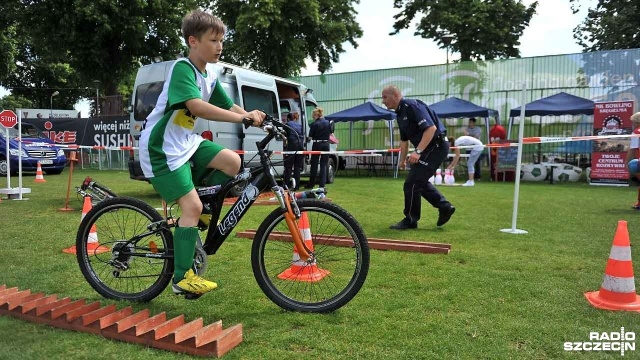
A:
198	22
635	118
318	111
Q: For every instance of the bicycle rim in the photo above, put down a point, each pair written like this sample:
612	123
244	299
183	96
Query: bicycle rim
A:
340	269
114	273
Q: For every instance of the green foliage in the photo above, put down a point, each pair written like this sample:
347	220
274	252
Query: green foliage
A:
8	38
612	24
482	29
75	42
13	102
276	36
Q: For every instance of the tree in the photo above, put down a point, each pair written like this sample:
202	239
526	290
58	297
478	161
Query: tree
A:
611	25
276	36
13	102
41	68
483	30
8	38
104	40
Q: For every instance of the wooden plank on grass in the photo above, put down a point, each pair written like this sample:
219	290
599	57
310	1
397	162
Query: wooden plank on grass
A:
378	244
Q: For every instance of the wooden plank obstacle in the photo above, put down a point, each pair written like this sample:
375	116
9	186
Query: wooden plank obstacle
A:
177	335
374	243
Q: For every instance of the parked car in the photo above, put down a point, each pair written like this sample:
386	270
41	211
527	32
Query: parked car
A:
35	147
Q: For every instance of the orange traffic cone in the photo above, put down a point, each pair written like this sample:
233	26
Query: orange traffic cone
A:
93	246
618	290
39	176
300	270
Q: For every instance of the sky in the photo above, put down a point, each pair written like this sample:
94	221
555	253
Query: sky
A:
550	32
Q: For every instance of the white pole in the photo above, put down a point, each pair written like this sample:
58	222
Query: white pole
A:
6	131
19	154
516	193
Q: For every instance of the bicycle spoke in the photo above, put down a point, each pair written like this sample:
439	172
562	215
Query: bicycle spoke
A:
117	273
324	284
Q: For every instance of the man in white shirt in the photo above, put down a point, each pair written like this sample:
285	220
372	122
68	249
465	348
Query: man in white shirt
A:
476	132
474	154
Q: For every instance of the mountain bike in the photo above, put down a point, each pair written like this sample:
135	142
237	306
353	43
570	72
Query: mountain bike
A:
320	275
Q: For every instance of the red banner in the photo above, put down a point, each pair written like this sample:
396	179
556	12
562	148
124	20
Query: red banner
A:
608	158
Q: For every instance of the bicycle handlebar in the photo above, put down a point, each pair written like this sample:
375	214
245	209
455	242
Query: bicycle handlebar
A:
268	124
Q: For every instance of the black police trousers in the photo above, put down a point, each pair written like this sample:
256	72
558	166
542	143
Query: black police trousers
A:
293	165
417	183
324	159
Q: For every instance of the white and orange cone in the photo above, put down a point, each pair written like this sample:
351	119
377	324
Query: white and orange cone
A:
618	290
39	175
93	246
300	270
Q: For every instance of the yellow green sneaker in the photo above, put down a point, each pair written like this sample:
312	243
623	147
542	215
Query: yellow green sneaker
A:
193	284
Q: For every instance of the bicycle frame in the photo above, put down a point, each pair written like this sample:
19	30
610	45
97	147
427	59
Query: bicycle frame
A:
262	176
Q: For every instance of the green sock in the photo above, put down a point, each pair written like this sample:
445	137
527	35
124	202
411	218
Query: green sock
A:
218	178
184	248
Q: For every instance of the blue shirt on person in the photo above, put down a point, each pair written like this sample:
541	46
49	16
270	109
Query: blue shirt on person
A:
414	117
295	137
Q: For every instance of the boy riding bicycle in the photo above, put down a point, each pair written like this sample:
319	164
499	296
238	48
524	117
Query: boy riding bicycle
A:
167	143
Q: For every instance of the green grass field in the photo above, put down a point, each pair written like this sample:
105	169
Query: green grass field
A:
495	296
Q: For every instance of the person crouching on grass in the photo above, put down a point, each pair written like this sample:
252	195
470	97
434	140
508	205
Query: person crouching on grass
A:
167	143
474	155
634	154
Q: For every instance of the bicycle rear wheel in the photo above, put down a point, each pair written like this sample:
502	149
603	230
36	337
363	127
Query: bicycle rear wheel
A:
332	280
132	262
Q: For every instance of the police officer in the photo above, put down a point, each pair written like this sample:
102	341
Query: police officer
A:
319	133
295	142
421	126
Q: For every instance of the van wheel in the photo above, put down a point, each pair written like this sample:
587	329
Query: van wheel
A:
331	171
3	166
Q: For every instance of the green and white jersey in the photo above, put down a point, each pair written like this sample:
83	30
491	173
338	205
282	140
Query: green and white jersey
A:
167	141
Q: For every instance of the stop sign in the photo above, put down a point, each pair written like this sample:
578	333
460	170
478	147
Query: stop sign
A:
8	118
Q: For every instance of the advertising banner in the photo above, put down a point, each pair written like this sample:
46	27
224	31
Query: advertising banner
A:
107	131
608	158
49	113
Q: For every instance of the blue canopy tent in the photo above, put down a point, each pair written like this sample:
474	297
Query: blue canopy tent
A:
363	112
560	104
454	107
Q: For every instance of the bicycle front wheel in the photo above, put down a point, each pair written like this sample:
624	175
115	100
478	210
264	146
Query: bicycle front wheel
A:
120	254
330	281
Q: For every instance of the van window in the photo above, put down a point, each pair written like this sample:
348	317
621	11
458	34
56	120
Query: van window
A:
146	98
310	106
258	99
285	107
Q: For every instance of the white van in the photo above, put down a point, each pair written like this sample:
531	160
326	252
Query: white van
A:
249	89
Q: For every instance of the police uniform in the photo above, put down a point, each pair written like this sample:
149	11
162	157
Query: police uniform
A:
293	163
319	132
414	117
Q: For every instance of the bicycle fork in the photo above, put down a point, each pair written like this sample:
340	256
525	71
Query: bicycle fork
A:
290	217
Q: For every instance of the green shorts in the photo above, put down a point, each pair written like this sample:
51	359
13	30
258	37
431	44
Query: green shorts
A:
177	183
